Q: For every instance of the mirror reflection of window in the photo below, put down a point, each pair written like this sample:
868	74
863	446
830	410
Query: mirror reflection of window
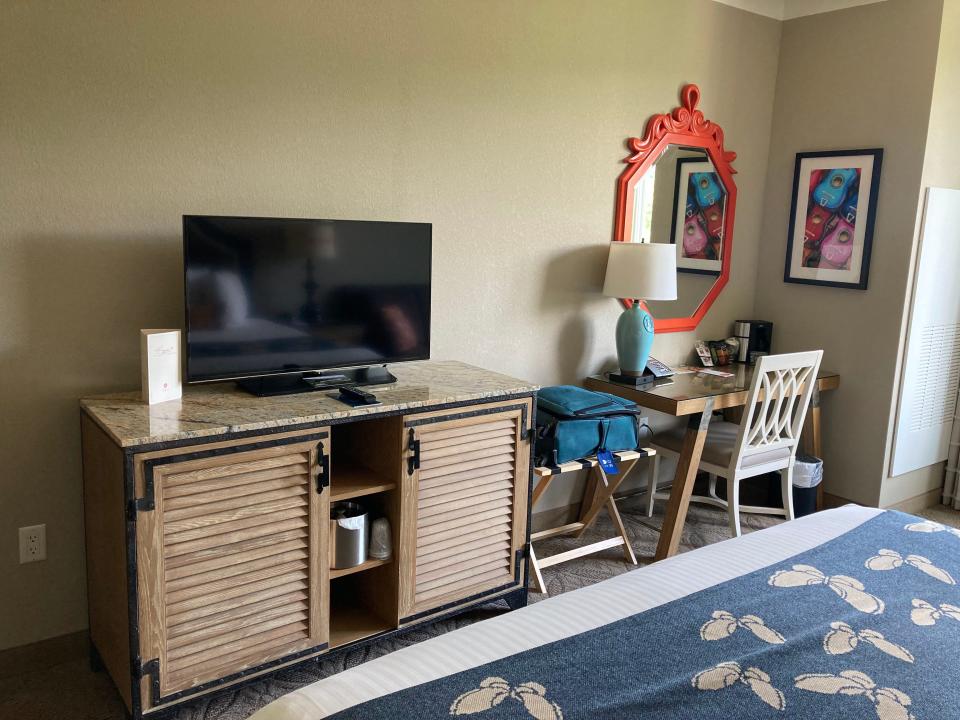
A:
643	209
680	199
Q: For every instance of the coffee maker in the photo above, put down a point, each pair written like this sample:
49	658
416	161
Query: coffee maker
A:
756	338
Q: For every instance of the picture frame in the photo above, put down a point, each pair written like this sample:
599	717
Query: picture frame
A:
703	352
696	227
830	234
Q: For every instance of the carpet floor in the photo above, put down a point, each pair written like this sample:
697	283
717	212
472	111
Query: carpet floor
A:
71	690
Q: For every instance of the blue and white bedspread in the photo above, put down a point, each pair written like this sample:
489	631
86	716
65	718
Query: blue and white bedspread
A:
852	613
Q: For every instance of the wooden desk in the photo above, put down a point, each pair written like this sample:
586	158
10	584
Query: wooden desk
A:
695	396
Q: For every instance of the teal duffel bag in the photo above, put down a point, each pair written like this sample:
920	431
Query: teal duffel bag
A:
573	422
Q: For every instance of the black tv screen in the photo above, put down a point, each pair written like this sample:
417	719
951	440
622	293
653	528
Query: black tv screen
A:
272	295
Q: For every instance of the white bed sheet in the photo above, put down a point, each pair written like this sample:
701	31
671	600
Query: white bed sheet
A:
565	615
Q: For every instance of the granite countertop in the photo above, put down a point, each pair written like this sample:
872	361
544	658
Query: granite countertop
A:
217	409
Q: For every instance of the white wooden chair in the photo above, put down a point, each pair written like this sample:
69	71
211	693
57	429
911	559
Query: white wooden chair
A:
764	441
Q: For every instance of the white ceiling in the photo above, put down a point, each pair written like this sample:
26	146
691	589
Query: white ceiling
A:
789	9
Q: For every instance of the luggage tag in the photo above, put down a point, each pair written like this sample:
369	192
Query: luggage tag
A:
607	462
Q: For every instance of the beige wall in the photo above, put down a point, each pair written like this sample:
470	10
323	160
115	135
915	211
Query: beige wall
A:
942	160
501	122
855	78
941	168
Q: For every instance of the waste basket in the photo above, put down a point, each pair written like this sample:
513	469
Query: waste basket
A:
807	475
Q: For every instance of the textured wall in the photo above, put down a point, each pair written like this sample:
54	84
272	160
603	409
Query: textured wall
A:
502	122
942	160
855	78
941	168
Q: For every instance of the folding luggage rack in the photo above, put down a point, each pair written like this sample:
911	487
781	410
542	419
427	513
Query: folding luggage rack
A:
599	494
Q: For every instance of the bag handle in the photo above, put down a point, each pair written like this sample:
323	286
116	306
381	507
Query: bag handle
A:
591	408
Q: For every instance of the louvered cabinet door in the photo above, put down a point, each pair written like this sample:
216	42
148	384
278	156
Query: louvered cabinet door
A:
231	560
467	492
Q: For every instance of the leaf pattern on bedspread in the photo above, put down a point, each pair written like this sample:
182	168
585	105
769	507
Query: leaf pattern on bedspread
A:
889	703
494	690
924	613
891	559
754	647
729	673
849	589
723	624
929	526
843	639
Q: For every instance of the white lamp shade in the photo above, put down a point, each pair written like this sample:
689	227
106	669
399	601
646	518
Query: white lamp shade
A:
645	271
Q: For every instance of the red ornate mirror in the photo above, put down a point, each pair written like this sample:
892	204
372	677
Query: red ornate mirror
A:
678	188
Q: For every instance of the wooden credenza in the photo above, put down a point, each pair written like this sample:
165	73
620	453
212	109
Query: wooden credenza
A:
208	531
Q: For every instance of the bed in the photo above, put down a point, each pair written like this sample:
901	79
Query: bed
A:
849	613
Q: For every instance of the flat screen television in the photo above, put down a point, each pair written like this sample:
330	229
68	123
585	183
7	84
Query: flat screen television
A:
282	298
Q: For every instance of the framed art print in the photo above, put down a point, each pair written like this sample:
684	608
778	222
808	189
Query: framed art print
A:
832	214
698	213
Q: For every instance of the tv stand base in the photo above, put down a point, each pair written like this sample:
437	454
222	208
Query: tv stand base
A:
292	383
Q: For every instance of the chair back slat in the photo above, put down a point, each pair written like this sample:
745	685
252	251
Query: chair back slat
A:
777	404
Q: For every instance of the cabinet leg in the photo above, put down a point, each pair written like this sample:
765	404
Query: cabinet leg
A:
517	600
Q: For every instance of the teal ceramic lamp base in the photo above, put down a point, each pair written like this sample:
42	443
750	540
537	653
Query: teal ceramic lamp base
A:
634	339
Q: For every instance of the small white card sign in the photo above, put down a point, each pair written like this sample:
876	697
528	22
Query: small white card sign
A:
160	365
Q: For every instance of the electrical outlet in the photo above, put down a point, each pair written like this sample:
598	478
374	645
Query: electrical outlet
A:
33	543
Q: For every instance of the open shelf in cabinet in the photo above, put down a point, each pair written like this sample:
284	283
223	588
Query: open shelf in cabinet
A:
384	504
360	604
371	563
366	464
350	479
365	457
354	623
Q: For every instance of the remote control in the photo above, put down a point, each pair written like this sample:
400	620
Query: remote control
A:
355	397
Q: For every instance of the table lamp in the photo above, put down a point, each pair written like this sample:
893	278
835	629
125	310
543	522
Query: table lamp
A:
646	271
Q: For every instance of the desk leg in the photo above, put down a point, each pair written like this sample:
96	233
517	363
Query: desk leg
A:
812	437
683	481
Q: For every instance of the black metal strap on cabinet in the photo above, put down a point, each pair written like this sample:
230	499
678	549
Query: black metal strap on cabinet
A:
413	445
148	502
323	476
288	660
461	604
152	668
521	554
470	414
527	432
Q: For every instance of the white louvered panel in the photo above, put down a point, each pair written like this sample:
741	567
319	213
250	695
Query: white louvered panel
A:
237	573
465	509
931	365
938	370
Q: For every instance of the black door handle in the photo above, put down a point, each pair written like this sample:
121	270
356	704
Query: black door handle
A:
413	445
323	477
